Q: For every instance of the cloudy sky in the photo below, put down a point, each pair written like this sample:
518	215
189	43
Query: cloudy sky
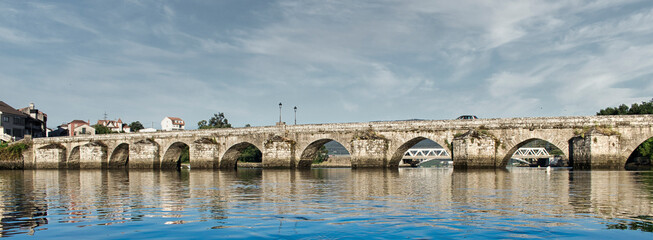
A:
337	61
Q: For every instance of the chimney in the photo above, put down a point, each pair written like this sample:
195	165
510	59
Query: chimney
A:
31	106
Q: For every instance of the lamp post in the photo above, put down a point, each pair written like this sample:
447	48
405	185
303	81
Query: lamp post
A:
295	115
280	113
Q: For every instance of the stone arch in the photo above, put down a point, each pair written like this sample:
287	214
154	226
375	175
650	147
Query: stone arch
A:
172	154
310	151
74	157
398	154
51	156
630	153
230	158
119	156
563	146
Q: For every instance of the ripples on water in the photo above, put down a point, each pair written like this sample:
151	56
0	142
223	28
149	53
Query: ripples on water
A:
326	203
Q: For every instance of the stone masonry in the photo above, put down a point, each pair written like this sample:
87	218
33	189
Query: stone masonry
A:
588	142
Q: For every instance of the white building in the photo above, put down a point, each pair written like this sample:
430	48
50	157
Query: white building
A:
115	126
172	123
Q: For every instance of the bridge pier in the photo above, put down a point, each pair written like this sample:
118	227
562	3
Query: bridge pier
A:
52	156
596	150
204	155
92	155
279	152
144	154
369	153
474	150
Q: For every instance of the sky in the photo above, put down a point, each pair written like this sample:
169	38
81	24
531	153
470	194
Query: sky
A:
337	61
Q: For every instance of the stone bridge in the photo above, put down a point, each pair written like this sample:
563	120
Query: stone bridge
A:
588	142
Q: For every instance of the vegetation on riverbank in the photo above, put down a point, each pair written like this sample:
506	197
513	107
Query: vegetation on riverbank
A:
12	152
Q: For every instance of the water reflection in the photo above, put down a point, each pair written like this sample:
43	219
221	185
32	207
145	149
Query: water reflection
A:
275	202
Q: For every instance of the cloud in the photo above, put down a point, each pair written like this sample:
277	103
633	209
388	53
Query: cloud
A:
340	60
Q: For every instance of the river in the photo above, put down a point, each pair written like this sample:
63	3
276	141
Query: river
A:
425	203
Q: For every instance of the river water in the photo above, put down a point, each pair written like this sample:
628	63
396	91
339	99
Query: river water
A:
423	203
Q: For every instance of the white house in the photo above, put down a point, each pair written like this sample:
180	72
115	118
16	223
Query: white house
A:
115	126
172	123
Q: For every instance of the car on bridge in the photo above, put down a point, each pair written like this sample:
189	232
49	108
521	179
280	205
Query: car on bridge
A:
467	117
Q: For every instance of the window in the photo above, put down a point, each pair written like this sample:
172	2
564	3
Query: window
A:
8	132
16	120
83	130
18	132
5	119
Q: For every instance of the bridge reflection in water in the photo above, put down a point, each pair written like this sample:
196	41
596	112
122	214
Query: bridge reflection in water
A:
324	202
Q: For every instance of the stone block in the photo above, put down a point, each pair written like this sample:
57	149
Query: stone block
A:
204	155
144	154
92	155
595	150
279	154
474	150
50	157
369	153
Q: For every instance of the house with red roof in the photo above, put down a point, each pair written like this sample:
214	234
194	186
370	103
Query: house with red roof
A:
80	128
172	123
115	126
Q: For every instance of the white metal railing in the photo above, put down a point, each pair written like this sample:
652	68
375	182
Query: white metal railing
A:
425	153
531	152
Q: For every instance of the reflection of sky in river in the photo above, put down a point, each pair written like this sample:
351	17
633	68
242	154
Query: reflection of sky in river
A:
327	203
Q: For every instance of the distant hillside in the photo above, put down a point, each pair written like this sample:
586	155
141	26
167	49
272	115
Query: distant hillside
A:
335	148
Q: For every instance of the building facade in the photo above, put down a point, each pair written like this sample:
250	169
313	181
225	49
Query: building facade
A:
36	124
12	123
80	128
115	126
172	123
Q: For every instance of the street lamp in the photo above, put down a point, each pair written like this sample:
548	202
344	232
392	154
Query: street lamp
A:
295	115
280	113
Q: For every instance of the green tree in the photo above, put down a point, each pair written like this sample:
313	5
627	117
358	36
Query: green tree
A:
217	121
321	155
646	149
101	129
135	126
251	154
623	109
185	155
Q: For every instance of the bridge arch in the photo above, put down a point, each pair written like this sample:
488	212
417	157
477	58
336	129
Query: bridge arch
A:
399	152
172	156
310	152
53	155
229	159
556	144
635	160
119	156
74	157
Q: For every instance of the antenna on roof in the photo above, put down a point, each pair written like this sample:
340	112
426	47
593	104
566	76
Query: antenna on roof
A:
105	115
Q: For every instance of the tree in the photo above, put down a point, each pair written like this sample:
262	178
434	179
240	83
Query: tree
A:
250	154
623	109
185	155
321	155
135	126
101	129
217	121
